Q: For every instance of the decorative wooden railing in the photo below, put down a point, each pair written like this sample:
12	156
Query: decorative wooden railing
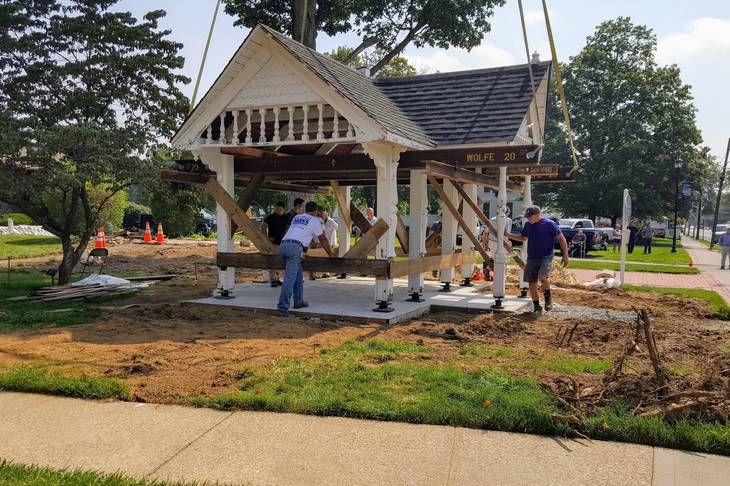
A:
280	125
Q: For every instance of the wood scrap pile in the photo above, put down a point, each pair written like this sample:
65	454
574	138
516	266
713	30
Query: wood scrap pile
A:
652	393
93	289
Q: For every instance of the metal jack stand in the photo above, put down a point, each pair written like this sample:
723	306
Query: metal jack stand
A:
446	287
466	282
383	306
523	293
224	294
416	297
497	303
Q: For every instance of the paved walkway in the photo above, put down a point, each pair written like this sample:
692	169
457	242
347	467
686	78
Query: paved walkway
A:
181	443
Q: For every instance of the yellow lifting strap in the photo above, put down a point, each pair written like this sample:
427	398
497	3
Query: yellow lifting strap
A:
205	55
529	65
559	81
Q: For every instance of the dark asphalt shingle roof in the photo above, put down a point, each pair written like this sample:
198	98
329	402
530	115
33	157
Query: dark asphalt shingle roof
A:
485	105
356	87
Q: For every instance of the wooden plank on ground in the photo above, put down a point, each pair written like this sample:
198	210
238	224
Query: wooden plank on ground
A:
247	196
249	228
368	241
355	266
359	219
400	268
402	234
455	211
483	217
342	204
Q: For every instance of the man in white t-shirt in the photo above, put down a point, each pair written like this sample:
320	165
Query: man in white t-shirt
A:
330	228
302	230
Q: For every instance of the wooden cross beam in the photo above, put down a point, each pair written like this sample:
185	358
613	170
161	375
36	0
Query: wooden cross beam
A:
342	204
401	233
202	178
244	202
455	211
368	241
359	219
460	175
483	217
249	228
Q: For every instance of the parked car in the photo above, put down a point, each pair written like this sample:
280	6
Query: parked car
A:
206	224
569	227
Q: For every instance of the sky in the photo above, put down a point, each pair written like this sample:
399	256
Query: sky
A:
694	34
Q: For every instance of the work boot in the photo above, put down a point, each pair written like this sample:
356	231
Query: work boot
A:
282	313
548	300
301	304
536	309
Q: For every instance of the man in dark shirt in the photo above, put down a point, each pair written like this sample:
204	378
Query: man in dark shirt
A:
540	234
298	208
274	227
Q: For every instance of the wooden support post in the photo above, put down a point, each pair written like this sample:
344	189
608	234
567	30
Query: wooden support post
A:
500	256
401	233
470	218
449	226
368	241
468	232
344	230
483	217
417	230
232	210
247	196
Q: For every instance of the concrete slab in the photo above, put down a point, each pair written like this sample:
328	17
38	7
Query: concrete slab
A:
352	299
105	436
679	468
15	405
265	448
490	457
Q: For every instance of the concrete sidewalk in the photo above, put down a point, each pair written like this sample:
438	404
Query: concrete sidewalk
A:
180	443
708	261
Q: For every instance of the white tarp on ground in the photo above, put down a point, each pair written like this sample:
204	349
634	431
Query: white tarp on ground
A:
24	229
101	280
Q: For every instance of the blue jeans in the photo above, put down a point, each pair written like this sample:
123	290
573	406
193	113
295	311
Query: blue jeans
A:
291	253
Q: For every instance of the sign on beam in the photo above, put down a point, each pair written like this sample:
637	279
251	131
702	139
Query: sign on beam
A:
535	170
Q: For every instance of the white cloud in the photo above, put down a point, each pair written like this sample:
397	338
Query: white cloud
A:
537	17
445	60
707	38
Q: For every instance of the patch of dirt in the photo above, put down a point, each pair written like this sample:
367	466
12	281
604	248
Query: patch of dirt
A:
165	349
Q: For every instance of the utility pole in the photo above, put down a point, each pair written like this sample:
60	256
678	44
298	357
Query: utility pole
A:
719	195
699	216
678	167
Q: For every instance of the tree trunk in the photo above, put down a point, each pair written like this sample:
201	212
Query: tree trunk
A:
396	50
304	25
356	52
613	221
71	257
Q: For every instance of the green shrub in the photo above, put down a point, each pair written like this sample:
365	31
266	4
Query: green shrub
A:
18	218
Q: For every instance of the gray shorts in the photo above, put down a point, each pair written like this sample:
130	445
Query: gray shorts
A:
538	268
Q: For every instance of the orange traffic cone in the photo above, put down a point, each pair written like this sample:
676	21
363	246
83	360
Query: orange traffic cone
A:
477	275
100	239
160	234
147	233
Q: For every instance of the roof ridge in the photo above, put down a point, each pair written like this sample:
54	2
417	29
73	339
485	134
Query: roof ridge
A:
512	67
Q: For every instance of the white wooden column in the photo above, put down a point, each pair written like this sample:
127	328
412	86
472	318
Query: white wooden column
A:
449	225
526	203
500	255
222	165
343	231
385	157
417	229
470	218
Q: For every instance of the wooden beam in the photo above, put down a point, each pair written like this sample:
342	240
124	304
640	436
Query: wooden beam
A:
534	170
342	204
368	241
249	228
357	266
461	175
246	198
202	178
565	174
483	217
252	152
401	233
455	211
400	268
359	219
433	243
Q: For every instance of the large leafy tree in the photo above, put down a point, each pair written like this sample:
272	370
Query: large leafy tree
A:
388	26
84	93
631	119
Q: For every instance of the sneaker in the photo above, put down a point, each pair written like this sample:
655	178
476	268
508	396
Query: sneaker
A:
301	304
722	268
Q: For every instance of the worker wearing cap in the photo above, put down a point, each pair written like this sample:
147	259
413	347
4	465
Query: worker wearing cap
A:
303	229
540	234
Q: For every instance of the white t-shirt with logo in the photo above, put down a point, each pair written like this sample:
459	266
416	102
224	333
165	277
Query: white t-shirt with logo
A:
304	228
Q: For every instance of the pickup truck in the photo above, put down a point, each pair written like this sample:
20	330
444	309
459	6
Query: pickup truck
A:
569	227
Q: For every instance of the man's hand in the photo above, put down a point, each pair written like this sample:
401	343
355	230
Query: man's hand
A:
565	261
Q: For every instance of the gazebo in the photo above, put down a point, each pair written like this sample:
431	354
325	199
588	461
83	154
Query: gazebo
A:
281	116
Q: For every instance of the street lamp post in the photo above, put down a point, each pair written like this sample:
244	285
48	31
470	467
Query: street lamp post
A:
678	166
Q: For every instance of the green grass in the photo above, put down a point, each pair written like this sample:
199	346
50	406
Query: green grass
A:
22	475
39	380
632	267
717	303
660	253
557	361
27	246
17	315
345	381
18	218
